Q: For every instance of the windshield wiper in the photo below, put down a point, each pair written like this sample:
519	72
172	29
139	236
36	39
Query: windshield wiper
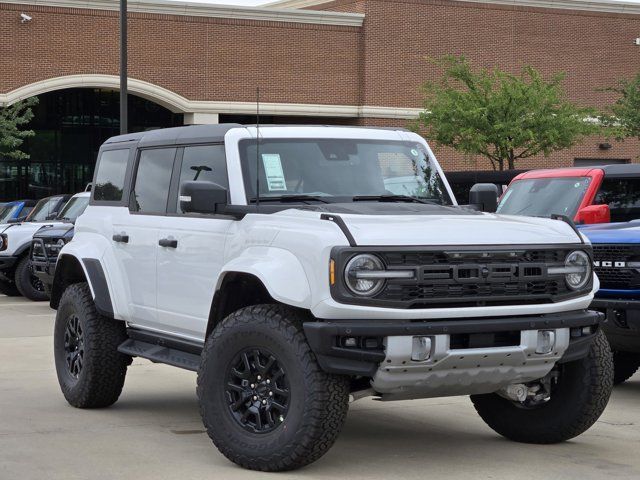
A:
391	198
292	198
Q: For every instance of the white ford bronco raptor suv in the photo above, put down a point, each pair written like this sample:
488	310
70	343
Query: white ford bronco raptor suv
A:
296	268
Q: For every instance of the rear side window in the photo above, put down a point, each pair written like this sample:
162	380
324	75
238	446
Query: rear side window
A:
205	163
153	178
623	197
110	176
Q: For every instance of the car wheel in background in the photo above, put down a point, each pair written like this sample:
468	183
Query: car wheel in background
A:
625	365
29	285
9	289
579	394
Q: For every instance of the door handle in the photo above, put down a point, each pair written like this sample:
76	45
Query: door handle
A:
168	243
121	238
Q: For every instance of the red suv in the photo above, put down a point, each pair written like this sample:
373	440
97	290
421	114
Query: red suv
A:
610	193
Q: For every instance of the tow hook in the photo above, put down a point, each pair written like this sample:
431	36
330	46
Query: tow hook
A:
530	393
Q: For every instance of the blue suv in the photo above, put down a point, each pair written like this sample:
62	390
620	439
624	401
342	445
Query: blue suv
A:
16	211
616	250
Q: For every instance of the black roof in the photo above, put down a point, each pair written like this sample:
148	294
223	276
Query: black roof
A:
177	135
621	170
200	134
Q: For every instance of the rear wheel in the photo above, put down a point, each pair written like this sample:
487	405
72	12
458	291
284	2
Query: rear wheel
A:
28	284
264	400
625	366
90	369
579	392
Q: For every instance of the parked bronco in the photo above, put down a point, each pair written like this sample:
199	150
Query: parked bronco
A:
282	268
617	263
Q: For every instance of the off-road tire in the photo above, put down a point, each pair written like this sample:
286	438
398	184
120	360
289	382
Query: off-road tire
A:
318	402
9	289
24	277
625	365
100	381
576	403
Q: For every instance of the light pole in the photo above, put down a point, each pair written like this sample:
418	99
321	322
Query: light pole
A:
123	68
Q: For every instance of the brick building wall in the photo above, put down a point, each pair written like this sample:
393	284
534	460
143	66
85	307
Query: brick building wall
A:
197	57
383	63
595	50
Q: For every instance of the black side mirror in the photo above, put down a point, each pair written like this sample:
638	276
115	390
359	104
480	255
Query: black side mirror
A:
484	197
17	220
202	197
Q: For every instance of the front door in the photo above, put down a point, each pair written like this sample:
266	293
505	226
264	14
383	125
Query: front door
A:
192	252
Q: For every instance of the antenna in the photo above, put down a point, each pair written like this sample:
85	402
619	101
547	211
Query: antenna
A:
257	148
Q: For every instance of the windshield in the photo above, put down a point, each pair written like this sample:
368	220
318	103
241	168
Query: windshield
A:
542	197
8	212
73	209
43	209
337	170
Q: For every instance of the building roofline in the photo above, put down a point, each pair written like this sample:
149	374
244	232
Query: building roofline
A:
169	7
606	6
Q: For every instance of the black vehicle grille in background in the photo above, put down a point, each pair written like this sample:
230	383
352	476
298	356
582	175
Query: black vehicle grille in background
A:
44	250
611	266
462	278
37	250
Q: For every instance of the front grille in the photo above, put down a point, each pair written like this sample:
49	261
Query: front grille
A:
38	251
43	250
450	278
611	266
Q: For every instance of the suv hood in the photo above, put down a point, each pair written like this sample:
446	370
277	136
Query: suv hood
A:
460	228
628	232
54	231
28	226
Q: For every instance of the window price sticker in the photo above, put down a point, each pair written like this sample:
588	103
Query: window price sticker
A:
273	170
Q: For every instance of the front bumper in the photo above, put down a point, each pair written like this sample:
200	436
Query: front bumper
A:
622	322
383	351
44	270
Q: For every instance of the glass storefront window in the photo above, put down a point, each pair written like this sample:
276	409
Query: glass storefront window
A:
70	126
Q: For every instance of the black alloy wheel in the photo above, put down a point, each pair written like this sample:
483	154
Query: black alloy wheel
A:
74	346
257	391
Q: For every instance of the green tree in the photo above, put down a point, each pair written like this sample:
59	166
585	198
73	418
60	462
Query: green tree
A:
12	135
625	121
501	116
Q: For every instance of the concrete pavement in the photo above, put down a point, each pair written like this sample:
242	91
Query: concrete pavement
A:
154	431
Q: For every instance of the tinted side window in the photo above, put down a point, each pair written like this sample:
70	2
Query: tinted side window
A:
623	197
153	178
205	163
110	175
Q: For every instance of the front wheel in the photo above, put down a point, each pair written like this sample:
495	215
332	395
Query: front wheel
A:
29	285
264	401
579	394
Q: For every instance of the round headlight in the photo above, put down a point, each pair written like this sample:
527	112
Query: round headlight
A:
356	278
60	243
578	267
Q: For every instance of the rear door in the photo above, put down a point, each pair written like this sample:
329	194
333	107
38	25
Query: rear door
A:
135	232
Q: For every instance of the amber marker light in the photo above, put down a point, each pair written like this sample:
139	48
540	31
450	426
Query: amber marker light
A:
332	272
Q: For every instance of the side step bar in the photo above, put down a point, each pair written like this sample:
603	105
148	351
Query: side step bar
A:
162	349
